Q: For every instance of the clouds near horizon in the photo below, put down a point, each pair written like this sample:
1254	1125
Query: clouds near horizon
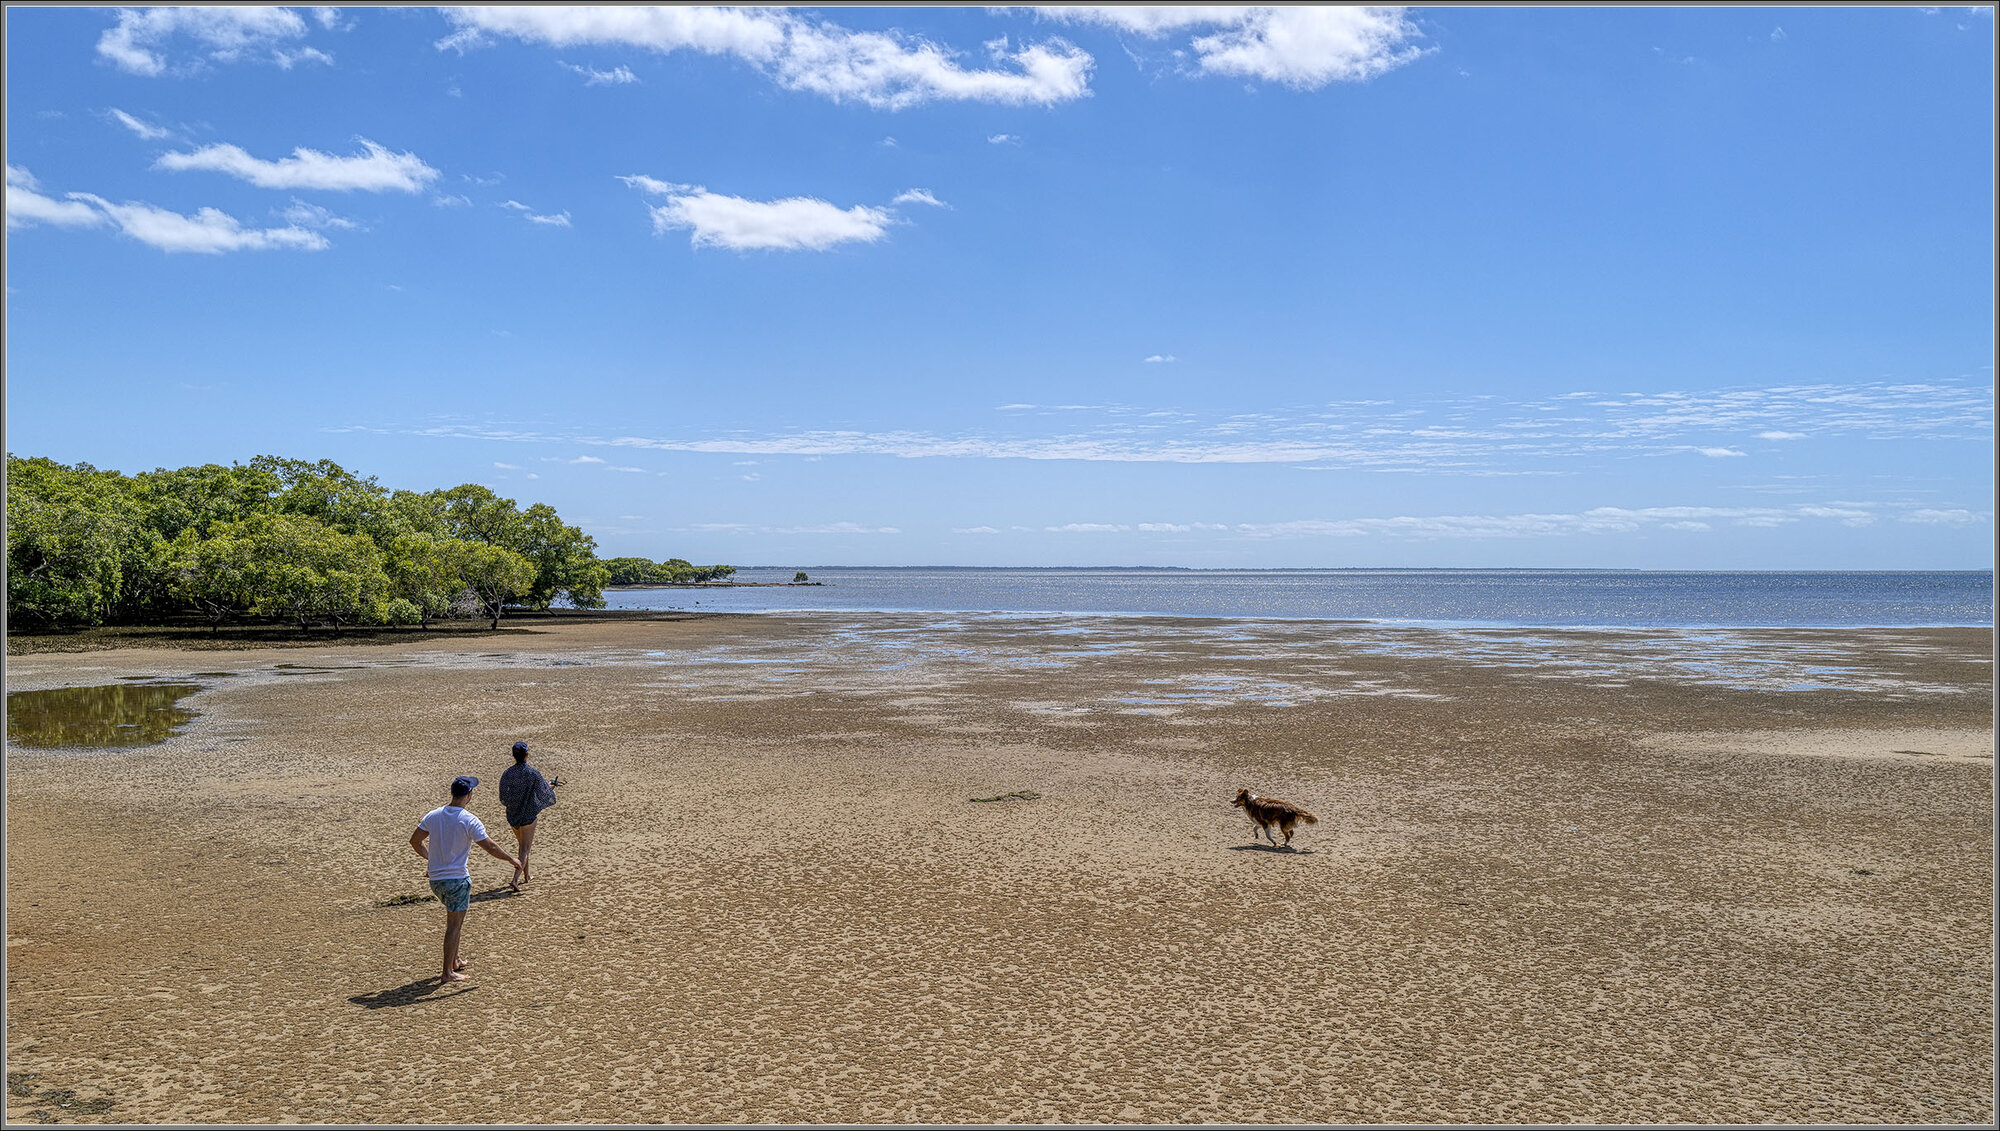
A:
1479	437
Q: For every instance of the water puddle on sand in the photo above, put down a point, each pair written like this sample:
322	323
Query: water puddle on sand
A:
119	714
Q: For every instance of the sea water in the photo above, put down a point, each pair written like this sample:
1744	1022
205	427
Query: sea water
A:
1466	598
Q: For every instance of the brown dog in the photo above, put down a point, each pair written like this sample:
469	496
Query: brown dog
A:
1268	811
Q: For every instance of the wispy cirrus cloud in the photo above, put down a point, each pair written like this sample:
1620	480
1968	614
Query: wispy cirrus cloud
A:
145	130
1929	516
1303	47
818	528
139	43
885	70
796	223
306	215
375	169
1597	520
554	220
1566	434
616	76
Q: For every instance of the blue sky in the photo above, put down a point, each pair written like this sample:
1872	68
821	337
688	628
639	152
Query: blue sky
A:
1652	288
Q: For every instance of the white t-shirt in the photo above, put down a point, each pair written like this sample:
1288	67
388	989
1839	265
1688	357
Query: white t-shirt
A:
453	833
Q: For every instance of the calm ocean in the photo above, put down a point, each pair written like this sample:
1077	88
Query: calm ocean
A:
1500	598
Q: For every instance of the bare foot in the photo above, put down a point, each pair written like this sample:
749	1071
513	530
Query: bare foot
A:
455	976
462	964
515	883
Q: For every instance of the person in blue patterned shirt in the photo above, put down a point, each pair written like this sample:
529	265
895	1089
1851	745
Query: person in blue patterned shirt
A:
525	793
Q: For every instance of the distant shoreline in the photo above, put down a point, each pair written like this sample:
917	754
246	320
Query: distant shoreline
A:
715	585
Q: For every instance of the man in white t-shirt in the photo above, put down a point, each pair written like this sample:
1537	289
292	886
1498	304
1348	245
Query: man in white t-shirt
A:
451	832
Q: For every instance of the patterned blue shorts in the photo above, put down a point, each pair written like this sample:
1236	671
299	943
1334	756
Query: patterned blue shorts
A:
456	895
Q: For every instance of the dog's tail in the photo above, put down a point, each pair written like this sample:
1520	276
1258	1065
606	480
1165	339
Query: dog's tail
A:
1308	818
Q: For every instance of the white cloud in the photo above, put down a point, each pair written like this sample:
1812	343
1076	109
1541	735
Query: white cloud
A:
208	232
137	43
1599	520
918	196
616	76
452	200
588	459
27	207
798	223
886	70
557	220
1777	34
1847	515
506	466
1088	528
1162	358
830	528
1775	435
143	129
313	216
286	60
656	186
1933	517
1301	47
974	530
375	170
1003	139
1719	453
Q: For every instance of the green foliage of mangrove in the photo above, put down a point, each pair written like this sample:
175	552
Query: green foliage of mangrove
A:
305	543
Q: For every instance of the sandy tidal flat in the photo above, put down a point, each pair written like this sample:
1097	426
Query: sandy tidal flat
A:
1630	876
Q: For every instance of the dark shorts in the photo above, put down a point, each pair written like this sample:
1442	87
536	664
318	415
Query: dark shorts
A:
456	895
521	819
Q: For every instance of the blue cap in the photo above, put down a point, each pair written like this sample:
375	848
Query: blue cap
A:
520	748
462	786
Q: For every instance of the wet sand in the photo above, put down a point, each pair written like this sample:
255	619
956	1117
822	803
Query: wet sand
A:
1557	876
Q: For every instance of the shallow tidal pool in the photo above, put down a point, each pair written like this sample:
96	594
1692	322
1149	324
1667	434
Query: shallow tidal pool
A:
119	714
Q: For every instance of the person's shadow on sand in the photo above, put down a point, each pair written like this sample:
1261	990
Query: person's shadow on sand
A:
415	993
1280	849
426	989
